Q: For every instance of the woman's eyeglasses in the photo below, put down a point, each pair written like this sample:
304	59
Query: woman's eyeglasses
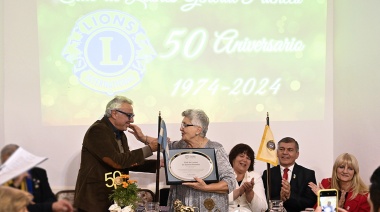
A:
184	125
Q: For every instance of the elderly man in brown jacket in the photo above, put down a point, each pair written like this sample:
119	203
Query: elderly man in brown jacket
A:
105	150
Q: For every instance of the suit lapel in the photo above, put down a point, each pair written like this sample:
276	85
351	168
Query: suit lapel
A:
295	177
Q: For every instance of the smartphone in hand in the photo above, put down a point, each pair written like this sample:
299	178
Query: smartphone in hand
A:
328	200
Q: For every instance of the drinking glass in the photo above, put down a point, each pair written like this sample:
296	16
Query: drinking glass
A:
276	206
152	206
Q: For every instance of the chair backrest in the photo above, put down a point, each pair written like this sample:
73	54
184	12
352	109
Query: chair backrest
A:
145	195
67	195
164	195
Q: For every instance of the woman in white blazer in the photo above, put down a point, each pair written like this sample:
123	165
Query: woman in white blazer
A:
250	193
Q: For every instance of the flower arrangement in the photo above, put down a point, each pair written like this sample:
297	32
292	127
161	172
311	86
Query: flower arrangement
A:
125	194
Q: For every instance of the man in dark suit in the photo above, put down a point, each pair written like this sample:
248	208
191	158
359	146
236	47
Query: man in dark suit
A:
289	181
105	153
35	181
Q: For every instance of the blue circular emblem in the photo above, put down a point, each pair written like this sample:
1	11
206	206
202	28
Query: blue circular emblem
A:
109	51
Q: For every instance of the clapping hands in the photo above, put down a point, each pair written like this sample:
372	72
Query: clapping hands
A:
285	190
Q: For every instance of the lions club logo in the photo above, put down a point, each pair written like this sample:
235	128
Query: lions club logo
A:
271	145
109	51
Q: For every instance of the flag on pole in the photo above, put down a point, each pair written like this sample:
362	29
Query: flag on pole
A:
162	138
267	151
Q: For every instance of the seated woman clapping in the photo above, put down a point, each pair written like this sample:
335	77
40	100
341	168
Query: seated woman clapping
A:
250	194
353	192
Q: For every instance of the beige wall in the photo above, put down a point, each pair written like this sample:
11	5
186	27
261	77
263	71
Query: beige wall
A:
356	82
1	72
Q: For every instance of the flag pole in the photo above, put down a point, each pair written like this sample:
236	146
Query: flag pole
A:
268	171
157	193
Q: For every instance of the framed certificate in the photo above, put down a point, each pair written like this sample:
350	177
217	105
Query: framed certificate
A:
184	164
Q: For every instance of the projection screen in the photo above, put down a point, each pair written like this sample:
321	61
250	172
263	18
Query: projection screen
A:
235	59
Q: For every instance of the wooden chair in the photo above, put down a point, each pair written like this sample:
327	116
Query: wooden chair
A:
67	195
145	195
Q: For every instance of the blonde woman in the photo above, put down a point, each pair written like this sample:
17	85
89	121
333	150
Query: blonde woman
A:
353	193
12	199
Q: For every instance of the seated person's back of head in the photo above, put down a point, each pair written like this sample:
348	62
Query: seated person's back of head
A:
35	181
374	190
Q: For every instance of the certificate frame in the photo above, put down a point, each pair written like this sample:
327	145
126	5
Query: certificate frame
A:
182	165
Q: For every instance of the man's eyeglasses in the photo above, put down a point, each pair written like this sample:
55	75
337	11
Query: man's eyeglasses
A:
184	125
129	115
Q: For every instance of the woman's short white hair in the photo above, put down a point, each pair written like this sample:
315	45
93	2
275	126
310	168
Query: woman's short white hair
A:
199	118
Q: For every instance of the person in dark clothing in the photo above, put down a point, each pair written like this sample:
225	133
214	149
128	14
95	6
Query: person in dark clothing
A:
35	181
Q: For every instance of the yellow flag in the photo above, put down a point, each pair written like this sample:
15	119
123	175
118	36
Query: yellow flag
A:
267	151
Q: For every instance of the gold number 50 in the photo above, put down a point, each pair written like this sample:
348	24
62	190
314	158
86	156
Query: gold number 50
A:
108	177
